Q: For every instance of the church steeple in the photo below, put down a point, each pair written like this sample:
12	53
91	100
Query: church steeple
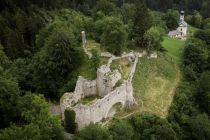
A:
181	16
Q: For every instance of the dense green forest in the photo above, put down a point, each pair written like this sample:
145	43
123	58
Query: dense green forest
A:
41	57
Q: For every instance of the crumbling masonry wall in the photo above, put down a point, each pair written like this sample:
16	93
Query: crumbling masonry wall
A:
100	109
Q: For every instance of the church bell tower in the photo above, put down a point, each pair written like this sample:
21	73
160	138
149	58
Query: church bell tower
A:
181	16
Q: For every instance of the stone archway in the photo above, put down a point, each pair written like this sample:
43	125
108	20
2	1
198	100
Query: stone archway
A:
112	110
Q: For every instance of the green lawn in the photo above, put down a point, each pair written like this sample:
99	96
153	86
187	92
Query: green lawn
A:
154	83
174	48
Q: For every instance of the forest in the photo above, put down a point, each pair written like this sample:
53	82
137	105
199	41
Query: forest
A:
41	57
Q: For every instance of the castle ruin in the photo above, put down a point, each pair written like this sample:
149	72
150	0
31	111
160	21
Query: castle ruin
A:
104	86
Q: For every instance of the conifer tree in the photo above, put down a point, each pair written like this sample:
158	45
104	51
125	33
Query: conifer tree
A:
142	22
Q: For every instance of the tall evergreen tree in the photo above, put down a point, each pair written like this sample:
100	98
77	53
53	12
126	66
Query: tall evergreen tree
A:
142	22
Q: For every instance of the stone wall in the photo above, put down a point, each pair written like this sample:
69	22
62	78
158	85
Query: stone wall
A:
106	80
84	88
101	108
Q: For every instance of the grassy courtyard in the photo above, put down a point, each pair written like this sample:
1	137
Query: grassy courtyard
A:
88	100
124	66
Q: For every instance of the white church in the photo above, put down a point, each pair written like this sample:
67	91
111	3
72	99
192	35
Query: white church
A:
181	31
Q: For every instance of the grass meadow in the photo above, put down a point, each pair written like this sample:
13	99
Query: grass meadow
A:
174	48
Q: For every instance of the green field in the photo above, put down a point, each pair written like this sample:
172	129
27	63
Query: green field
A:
154	83
174	48
155	80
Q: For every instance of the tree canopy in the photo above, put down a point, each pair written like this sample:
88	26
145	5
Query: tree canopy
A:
58	57
114	35
41	57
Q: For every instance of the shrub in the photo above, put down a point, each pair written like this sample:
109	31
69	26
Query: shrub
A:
69	122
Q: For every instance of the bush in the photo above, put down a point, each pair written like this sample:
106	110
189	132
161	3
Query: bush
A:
154	37
121	130
69	122
203	35
195	53
93	132
95	59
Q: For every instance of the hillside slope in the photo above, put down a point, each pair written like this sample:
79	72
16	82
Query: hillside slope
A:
154	83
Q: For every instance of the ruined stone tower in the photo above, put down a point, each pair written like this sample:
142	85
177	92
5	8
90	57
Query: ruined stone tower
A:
106	80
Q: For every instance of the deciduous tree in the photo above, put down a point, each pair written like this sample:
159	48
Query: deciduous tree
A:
55	61
114	35
172	18
154	37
